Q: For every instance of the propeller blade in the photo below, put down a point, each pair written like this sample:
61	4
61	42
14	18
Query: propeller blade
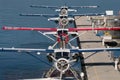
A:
61	75
28	28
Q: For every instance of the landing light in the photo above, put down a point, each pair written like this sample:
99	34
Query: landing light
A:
50	47
38	53
83	53
82	74
13	47
77	47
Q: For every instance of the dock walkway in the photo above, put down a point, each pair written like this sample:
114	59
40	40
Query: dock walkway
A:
99	66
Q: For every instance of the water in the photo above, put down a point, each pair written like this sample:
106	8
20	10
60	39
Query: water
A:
15	66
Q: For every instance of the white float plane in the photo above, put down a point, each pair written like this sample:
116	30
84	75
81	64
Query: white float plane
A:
61	61
63	18
62	35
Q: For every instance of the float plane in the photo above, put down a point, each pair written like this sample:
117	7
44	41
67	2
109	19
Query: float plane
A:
61	34
63	18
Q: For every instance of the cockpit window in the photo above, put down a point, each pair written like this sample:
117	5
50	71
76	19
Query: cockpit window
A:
64	8
66	55
63	17
62	31
62	55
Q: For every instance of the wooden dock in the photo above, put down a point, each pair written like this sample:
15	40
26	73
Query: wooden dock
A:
99	66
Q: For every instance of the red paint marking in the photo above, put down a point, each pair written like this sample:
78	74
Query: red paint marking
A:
28	28
89	28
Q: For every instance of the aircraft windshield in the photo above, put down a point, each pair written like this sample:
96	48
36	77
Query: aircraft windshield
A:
62	54
62	31
63	16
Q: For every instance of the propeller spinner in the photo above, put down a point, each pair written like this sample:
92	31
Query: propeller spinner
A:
63	22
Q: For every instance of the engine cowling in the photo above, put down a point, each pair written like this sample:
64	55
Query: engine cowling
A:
63	22
63	12
62	65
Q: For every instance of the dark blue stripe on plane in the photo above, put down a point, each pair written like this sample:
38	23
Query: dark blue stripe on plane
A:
4	50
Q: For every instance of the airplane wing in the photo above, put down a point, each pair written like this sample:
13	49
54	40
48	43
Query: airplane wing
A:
83	6
87	14
90	28
31	50
50	33
55	29
26	50
43	6
44	15
28	28
95	49
53	19
42	79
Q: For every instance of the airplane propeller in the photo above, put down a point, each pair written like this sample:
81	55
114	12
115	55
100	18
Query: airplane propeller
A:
63	22
62	65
